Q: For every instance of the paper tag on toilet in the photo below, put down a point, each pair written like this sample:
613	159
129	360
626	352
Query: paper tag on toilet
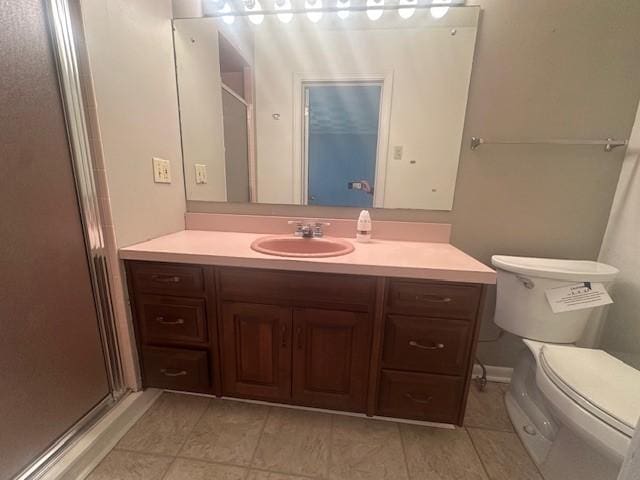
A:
577	297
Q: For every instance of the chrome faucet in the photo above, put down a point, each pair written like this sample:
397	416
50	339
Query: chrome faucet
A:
308	229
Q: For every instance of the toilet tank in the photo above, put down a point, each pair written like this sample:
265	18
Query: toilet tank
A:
522	307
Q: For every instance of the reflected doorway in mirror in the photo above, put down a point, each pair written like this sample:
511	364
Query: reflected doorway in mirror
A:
341	131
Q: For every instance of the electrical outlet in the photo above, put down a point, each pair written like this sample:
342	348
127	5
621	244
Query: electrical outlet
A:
201	173
397	152
161	170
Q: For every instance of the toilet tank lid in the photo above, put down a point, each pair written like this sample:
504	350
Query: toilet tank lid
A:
569	270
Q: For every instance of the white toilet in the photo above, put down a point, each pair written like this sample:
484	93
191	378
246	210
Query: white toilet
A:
574	408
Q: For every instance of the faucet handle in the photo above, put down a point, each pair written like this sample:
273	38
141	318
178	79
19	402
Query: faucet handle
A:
317	228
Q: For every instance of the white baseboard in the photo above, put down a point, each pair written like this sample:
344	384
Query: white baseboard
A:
97	442
494	374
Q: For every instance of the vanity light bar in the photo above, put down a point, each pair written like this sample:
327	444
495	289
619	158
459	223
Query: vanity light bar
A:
331	9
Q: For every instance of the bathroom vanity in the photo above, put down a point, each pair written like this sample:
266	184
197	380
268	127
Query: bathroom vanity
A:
394	340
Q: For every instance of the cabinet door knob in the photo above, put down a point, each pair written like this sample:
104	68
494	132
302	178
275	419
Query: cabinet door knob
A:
163	321
422	401
433	346
170	372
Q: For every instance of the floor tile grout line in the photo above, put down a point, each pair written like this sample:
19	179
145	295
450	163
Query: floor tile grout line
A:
255	450
191	430
535	465
404	451
475	449
300	475
141	452
330	453
169	468
491	429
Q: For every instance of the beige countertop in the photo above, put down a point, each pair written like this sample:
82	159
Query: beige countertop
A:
389	258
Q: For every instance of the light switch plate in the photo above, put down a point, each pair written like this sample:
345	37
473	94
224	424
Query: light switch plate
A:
201	173
161	170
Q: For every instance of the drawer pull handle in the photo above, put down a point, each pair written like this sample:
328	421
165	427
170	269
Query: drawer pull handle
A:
165	278
422	401
433	298
173	372
177	321
435	346
283	336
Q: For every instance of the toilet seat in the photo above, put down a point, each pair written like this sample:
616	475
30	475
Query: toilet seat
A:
600	383
596	432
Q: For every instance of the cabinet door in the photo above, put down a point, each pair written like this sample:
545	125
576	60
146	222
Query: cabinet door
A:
331	358
256	351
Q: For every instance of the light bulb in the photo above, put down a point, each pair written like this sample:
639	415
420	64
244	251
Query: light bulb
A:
343	5
228	19
409	8
284	5
374	13
310	6
254	6
439	12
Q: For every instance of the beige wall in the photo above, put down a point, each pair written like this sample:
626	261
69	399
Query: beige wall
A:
544	68
127	69
131	58
621	248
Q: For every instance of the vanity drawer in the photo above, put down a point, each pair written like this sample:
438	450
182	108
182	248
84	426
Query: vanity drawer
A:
434	398
167	278
296	288
442	300
426	344
176	369
177	320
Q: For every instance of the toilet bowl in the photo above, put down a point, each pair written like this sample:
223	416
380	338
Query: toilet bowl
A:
574	408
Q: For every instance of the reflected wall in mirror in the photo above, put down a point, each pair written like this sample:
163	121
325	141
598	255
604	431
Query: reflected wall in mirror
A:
341	112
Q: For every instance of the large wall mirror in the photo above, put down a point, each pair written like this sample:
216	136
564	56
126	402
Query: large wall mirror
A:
344	108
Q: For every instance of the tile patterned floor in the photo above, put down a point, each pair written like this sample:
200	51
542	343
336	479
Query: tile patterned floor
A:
186	437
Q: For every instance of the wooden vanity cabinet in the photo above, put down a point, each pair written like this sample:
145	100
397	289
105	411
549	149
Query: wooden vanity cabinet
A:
256	350
296	337
174	311
381	346
331	351
430	332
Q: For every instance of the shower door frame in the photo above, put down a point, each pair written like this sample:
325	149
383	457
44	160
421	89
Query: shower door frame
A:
64	49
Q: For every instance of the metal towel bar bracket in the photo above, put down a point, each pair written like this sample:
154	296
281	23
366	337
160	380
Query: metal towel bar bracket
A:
609	143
